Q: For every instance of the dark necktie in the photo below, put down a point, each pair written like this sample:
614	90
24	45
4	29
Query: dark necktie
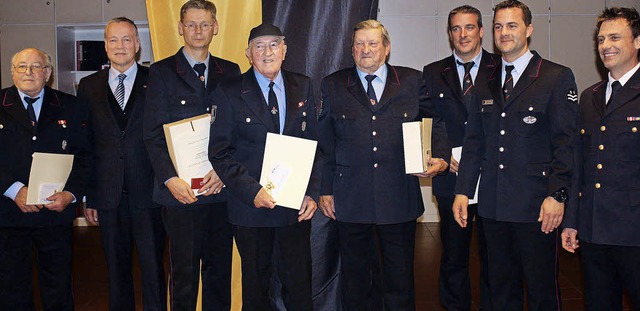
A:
30	110
467	82
615	89
507	88
200	68
371	93
120	91
273	106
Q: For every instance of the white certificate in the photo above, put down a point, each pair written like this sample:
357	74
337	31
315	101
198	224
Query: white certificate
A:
188	144
286	168
416	140
457	154
49	174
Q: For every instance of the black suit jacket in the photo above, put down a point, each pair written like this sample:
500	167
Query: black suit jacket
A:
608	178
524	146
444	91
120	160
174	93
62	128
363	148
238	137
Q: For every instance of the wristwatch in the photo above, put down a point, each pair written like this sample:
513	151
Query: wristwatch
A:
560	195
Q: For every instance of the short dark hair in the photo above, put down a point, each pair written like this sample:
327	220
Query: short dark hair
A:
629	14
510	4
465	9
200	5
121	19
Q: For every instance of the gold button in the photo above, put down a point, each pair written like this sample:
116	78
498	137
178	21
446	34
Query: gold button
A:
599	166
580	194
1	126
603	128
601	147
582	131
597	185
634	129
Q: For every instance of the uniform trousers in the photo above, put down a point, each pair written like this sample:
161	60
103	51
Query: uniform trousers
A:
517	250
53	260
608	271
121	228
200	242
395	250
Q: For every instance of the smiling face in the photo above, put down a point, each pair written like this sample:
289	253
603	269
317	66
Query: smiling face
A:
466	35
31	81
266	55
369	50
121	44
510	33
617	47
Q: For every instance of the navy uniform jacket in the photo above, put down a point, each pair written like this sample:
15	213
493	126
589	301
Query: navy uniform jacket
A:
238	137
608	210
62	128
364	168
174	93
120	160
523	146
445	92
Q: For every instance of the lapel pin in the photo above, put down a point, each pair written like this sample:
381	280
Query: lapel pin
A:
63	123
274	110
64	144
304	125
300	104
631	119
373	102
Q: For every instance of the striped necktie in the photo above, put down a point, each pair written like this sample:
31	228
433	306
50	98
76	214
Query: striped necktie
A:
119	94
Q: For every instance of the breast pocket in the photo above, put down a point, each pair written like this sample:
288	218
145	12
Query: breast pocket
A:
530	121
185	106
628	141
406	113
344	125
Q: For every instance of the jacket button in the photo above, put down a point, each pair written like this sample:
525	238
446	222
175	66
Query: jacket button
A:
503	114
304	113
182	102
1	126
374	133
530	108
373	118
597	185
582	131
633	129
603	128
405	114
375	165
441	95
501	166
599	166
502	132
247	120
601	147
375	149
34	138
501	149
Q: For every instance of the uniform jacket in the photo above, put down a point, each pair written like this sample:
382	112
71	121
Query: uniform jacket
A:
523	146
238	137
362	144
608	177
120	160
444	91
62	128
174	93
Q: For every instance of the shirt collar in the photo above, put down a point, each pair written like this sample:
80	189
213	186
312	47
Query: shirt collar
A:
40	96
625	77
520	64
192	62
264	82
476	59
381	74
131	73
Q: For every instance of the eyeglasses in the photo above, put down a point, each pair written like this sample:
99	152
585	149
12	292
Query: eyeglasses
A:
273	45
35	68
193	26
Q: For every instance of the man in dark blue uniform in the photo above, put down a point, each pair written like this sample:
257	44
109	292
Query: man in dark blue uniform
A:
36	118
364	184
520	135
451	84
604	207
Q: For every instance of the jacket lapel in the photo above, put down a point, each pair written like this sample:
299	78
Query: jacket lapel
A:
51	109
530	74
629	91
12	104
295	99
215	74
450	76
391	88
599	97
252	97
355	88
139	89
185	72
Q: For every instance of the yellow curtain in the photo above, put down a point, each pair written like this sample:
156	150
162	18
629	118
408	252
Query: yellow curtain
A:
235	19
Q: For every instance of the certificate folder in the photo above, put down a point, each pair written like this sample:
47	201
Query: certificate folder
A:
416	138
286	168
49	174
188	145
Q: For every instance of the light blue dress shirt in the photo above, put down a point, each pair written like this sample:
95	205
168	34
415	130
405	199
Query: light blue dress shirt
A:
278	88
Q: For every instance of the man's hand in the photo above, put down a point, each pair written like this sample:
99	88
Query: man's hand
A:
60	201
21	201
551	213
212	184
307	209
436	166
327	206
570	240
181	190
460	209
91	215
264	199
453	166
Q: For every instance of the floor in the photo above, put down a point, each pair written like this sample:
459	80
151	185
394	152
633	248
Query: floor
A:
90	278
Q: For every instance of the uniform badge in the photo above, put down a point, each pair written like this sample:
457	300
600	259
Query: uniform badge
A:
63	123
300	104
529	119
214	113
64	144
631	119
572	95
274	111
372	101
487	102
304	126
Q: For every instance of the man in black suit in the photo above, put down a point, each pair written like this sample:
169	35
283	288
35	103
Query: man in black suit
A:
451	84
180	87
364	185
520	135
119	197
36	118
266	99
605	216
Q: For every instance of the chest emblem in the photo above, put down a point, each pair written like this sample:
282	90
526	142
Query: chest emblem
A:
529	119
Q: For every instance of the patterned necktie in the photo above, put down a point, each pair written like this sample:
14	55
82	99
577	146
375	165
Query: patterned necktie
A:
200	68
371	93
507	88
120	91
615	89
30	110
273	106
467	82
